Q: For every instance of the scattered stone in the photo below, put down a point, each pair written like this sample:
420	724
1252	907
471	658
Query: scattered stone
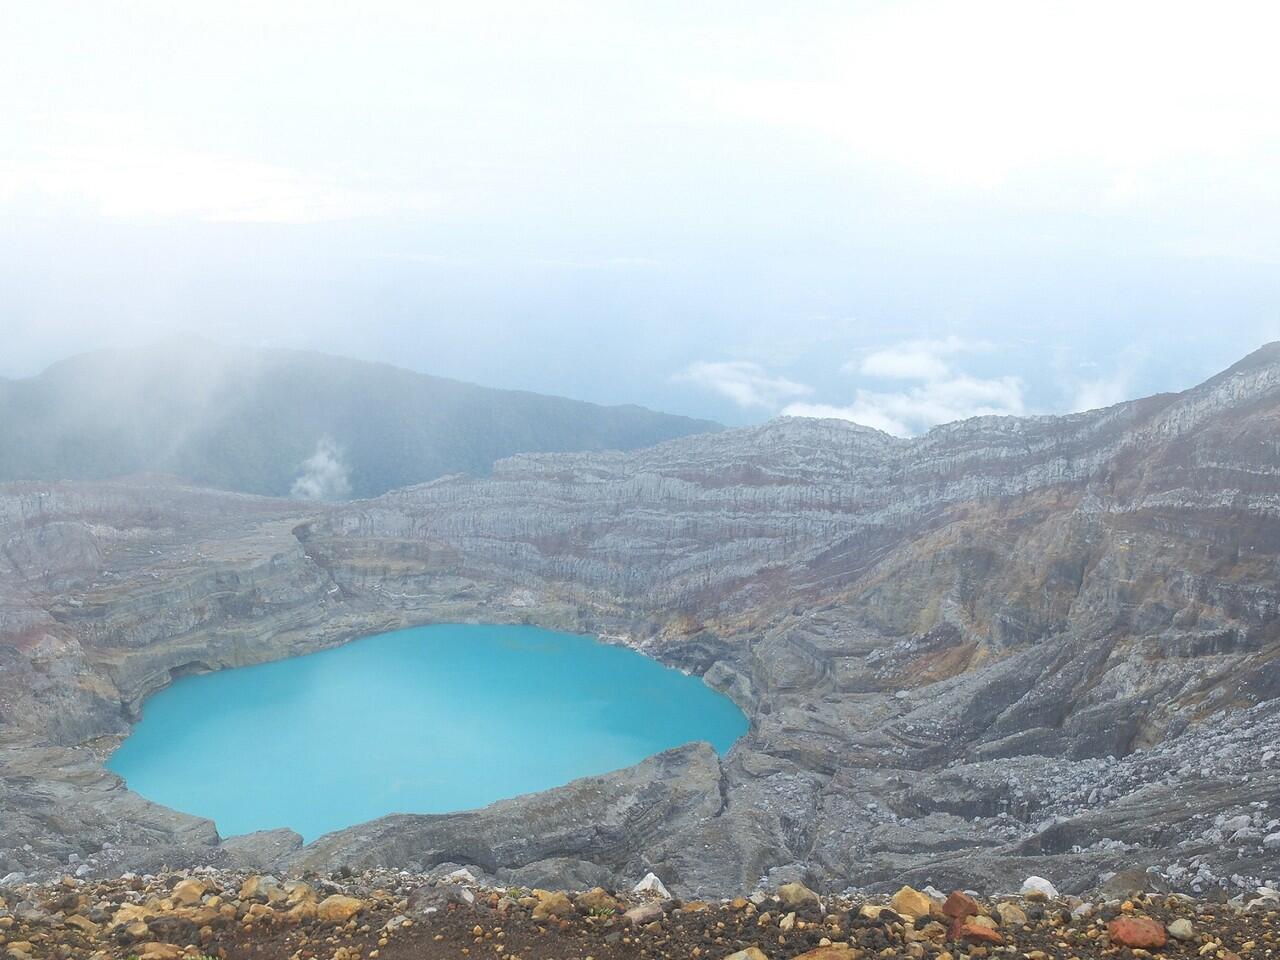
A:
1039	887
188	892
645	913
652	885
598	900
959	905
873	911
911	903
263	888
1181	929
973	930
83	924
1011	915
381	915
1137	932
551	904
338	908
797	895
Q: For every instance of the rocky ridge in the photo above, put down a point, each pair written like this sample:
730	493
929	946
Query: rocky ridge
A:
1011	646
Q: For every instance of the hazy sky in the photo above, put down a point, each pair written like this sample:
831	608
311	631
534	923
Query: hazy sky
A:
898	212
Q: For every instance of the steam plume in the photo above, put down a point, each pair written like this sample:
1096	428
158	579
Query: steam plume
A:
324	475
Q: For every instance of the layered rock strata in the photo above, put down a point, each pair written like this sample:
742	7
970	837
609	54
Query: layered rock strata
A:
1010	646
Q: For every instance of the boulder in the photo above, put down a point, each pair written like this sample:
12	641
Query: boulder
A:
598	900
1181	929
131	913
338	908
551	904
910	902
296	891
797	895
1011	915
973	930
1137	932
263	888
959	905
83	924
751	953
645	913
1039	887
187	892
304	912
652	885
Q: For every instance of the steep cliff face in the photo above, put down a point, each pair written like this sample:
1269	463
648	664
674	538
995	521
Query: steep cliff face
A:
1039	623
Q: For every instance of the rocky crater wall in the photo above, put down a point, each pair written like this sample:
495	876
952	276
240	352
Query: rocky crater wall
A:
1009	646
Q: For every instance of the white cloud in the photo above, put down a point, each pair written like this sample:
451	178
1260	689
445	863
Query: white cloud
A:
942	394
912	360
746	384
906	412
1103	392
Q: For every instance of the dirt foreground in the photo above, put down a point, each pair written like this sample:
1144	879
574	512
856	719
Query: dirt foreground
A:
402	917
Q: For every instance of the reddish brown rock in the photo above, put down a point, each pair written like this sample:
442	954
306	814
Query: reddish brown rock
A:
960	905
973	932
1137	932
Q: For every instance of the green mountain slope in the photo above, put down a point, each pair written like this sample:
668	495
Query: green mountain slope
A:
256	421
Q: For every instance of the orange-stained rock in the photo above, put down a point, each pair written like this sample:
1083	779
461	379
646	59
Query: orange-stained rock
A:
960	905
1137	932
973	932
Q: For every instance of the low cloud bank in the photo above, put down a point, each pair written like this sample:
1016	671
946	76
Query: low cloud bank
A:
919	384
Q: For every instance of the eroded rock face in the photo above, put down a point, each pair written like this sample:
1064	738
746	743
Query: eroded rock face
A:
1011	646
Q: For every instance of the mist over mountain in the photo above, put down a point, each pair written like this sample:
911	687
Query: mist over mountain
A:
288	423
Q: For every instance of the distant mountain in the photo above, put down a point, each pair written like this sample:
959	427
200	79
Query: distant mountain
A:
276	421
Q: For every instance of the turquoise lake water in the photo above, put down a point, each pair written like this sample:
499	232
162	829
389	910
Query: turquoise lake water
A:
427	720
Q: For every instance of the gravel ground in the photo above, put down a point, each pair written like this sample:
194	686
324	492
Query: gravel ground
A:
401	917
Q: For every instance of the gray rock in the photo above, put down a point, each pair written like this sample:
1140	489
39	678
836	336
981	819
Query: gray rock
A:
1081	611
262	851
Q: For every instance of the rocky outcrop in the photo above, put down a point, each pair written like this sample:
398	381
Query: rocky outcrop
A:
1042	645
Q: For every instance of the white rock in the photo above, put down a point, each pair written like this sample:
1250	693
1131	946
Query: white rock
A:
1039	885
1271	841
462	875
11	878
651	884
